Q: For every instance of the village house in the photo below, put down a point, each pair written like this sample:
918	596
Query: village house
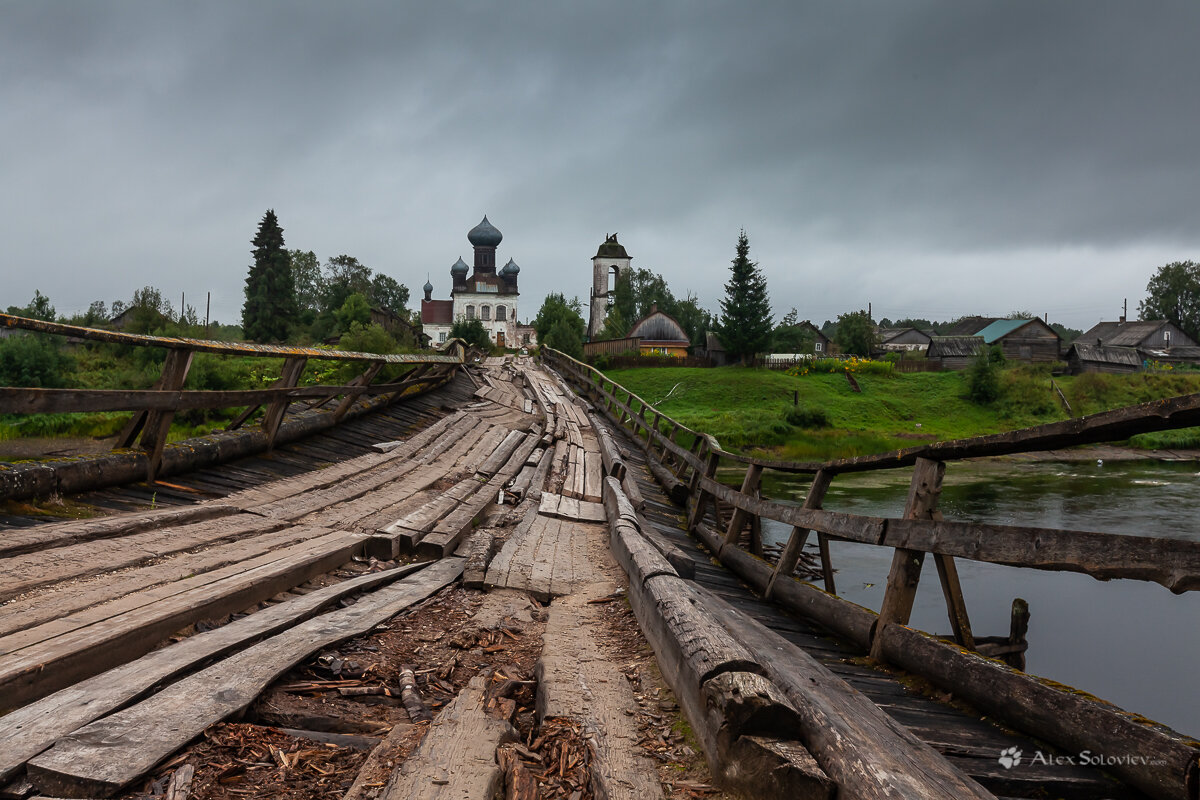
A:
1027	340
900	340
954	352
1123	346
660	334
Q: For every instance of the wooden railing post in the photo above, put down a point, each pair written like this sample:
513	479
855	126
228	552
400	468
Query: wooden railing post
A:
288	378
905	573
698	492
749	487
158	423
799	536
174	372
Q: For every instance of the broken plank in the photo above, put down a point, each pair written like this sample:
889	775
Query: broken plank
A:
105	756
31	729
457	758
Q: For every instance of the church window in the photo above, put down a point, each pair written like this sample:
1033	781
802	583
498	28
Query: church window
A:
441	337
470	312
485	312
501	313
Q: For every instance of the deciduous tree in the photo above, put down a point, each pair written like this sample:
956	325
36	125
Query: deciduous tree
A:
746	310
855	333
1173	294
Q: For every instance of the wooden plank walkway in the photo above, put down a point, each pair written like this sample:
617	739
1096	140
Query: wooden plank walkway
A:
968	741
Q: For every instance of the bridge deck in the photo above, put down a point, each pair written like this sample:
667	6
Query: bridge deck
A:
556	550
967	740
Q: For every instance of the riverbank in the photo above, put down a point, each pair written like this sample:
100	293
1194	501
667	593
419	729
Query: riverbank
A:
819	417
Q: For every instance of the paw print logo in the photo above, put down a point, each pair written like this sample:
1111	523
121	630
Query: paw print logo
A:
1010	757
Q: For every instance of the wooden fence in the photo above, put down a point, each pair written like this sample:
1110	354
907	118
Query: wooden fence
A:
155	408
612	347
686	461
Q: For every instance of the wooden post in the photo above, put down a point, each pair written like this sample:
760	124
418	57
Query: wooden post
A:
364	379
697	492
738	519
135	425
1018	628
826	563
956	606
158	423
290	375
905	573
795	543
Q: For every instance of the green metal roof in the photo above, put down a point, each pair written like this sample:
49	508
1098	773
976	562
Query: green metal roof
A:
1001	328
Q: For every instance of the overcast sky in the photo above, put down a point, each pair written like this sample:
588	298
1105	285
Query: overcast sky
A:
934	159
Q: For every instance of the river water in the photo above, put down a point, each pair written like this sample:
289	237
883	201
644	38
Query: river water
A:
1130	642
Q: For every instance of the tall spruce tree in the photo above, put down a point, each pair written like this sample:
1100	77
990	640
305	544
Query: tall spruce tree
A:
270	289
745	327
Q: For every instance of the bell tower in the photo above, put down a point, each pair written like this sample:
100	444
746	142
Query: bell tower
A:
610	260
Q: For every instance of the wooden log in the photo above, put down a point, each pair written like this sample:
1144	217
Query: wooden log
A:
856	743
901	590
773	766
105	756
480	549
640	560
457	757
1152	758
519	783
609	455
410	695
849	621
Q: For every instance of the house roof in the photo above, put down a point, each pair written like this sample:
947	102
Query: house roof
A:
1124	356
1122	334
887	334
658	326
952	346
611	248
1001	328
1182	353
970	326
437	312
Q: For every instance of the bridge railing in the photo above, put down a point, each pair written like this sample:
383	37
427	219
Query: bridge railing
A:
686	462
156	407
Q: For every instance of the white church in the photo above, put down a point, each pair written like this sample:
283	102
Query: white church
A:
486	294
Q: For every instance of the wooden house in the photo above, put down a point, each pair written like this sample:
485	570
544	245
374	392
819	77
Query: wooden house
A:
1155	335
660	334
714	351
954	352
1028	340
1102	358
900	340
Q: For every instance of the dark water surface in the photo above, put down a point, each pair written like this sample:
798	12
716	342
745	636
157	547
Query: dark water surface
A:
1131	642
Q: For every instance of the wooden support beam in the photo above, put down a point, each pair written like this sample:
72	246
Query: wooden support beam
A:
364	379
795	544
129	433
956	606
288	378
739	516
158	423
905	573
826	563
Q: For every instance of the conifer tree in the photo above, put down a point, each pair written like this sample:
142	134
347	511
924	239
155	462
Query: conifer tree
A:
270	290
745	327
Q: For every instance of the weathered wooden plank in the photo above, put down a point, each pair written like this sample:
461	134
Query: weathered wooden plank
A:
116	637
864	751
23	573
593	477
576	681
55	602
505	449
553	505
500	569
17	541
105	756
31	729
457	758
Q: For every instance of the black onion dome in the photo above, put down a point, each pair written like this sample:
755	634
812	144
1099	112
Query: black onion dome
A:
459	269
510	268
485	234
428	287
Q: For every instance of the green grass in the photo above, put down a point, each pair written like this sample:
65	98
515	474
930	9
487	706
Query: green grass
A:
747	409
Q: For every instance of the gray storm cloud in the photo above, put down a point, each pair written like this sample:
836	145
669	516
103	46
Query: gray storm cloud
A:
934	159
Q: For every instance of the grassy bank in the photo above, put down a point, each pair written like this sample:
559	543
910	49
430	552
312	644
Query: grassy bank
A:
749	409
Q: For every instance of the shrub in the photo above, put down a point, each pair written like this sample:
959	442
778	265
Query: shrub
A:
35	361
983	380
807	417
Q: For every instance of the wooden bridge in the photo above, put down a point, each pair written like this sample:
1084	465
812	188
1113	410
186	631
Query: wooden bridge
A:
416	589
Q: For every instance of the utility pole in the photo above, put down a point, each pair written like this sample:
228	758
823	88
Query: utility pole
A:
207	307
182	307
